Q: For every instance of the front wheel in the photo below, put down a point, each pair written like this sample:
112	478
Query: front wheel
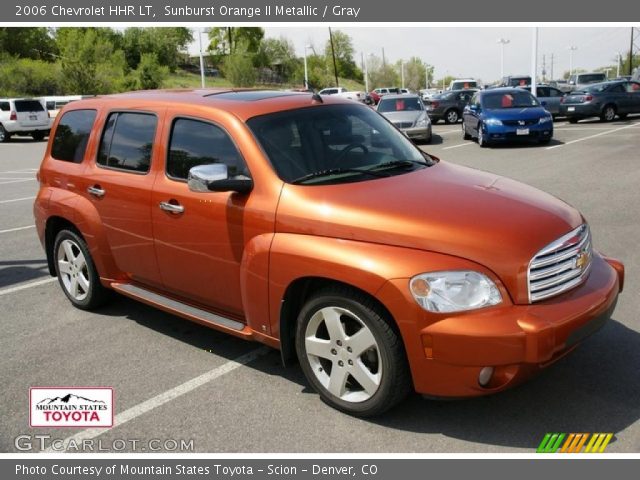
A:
76	271
350	353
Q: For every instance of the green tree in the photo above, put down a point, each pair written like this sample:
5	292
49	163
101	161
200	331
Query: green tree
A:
90	63
150	74
415	73
28	42
230	40
239	70
381	74
28	77
279	54
343	47
166	43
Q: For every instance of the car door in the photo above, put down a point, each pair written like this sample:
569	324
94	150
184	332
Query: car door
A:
119	185
200	236
633	92
617	94
471	114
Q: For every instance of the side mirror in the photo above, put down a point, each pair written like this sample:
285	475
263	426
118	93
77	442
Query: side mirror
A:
214	177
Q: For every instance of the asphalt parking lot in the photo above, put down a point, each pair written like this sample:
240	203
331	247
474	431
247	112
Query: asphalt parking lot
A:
238	397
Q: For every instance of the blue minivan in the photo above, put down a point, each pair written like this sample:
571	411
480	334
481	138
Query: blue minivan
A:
504	115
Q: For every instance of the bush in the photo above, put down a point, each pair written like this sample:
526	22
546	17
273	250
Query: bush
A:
238	69
150	74
27	77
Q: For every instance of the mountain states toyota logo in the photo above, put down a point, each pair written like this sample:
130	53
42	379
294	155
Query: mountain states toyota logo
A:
71	407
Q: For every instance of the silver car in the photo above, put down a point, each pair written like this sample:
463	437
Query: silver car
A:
407	113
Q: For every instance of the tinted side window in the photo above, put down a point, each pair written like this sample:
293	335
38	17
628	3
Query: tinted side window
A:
617	89
194	142
72	135
542	92
4	106
127	141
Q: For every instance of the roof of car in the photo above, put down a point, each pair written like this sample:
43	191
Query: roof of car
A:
394	96
244	103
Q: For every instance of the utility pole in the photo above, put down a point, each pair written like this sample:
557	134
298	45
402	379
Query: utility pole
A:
534	60
619	62
333	54
402	71
544	67
631	53
572	49
384	62
502	42
551	75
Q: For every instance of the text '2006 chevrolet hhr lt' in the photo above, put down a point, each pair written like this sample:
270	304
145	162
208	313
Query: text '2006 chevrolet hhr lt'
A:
313	225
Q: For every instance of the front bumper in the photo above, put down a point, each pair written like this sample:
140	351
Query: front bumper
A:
418	133
506	133
446	352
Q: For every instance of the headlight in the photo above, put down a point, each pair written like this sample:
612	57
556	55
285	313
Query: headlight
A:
545	119
454	291
423	121
493	121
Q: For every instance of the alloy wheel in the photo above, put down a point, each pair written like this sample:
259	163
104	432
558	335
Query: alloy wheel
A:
73	270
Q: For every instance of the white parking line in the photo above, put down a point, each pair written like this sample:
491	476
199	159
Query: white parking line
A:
19	181
165	397
592	136
24	170
7	291
17	199
459	145
17	229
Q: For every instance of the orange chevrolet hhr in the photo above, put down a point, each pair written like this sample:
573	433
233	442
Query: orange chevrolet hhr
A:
311	224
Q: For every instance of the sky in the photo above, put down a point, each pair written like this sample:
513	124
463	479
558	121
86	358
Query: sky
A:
474	51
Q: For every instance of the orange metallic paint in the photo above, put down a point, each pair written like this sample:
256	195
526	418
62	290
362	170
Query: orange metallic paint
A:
237	254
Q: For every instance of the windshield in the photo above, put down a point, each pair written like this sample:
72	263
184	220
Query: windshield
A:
403	104
597	88
334	144
514	99
592	78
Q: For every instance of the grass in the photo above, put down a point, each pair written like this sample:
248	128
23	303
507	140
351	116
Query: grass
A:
182	79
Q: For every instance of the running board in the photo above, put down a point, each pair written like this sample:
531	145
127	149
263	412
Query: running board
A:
176	307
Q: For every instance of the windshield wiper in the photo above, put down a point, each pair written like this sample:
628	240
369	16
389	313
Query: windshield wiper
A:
334	171
398	164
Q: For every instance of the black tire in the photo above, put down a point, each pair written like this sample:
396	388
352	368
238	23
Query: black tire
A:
95	294
4	135
38	136
434	121
482	141
545	141
608	113
451	116
395	380
465	134
573	120
623	116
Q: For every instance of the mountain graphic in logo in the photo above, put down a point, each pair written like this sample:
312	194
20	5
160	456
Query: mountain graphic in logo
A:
68	399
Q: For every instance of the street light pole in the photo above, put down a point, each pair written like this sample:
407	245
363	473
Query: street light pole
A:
201	58
366	73
402	71
572	49
619	62
534	61
306	71
502	42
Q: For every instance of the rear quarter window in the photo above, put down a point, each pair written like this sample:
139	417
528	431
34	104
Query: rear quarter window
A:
72	135
5	107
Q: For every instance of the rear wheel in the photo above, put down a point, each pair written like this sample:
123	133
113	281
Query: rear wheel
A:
482	140
4	136
350	353
451	116
76	271
608	113
573	120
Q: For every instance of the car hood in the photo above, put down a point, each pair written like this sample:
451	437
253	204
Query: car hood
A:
449	209
410	116
516	113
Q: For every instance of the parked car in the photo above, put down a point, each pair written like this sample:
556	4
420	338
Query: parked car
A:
506	114
344	93
382	91
317	228
448	106
23	116
515	81
427	93
407	113
581	80
550	98
605	100
463	84
53	104
561	84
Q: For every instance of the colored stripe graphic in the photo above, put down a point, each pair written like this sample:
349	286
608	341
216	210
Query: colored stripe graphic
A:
550	443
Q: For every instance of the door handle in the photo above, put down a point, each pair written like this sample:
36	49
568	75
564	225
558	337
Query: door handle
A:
171	207
96	191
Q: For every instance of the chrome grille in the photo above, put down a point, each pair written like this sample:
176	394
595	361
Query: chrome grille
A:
561	265
403	124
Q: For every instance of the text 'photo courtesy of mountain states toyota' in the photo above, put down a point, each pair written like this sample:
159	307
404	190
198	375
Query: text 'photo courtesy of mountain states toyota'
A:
312	225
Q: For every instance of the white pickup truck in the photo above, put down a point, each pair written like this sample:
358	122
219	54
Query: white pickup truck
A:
343	93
